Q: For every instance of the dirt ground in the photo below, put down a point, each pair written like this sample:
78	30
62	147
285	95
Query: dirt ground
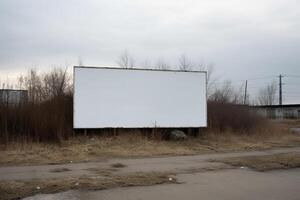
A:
19	189
267	162
101	162
21	181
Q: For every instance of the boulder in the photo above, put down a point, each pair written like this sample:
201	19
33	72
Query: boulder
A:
177	135
295	130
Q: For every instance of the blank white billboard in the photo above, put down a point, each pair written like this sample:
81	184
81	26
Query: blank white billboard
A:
138	98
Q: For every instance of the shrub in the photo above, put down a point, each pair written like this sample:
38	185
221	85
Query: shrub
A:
47	115
49	120
224	116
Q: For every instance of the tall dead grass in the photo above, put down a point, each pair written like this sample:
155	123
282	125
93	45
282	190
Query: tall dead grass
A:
233	117
50	120
134	144
46	115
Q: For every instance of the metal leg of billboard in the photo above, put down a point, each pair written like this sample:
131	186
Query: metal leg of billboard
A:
189	131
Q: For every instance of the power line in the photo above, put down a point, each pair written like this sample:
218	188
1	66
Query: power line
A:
291	92
248	79
261	78
292	76
252	87
297	84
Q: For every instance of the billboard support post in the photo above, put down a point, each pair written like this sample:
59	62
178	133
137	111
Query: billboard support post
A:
189	131
153	132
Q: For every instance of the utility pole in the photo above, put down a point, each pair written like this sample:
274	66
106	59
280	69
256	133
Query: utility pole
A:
245	97
280	89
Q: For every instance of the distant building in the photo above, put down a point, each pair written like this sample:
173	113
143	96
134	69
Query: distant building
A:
13	97
288	111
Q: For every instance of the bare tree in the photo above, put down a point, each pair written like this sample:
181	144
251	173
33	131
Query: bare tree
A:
20	81
45	86
267	95
161	64
126	61
146	64
222	94
33	84
80	61
226	93
210	79
184	63
238	95
55	83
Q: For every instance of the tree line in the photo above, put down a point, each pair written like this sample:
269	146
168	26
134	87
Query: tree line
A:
47	115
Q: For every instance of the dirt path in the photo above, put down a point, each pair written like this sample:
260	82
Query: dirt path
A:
156	164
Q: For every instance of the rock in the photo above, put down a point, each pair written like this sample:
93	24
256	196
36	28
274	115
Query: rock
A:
177	135
295	130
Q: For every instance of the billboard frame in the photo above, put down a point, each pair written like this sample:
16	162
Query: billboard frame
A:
140	69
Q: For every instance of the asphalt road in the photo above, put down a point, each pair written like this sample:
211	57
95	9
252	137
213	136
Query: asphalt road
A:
233	184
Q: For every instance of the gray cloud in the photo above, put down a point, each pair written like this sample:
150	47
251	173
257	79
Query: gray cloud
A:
243	39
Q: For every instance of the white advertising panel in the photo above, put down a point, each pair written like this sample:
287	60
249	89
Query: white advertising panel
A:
138	98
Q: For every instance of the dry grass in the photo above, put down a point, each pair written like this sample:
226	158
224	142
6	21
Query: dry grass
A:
288	123
21	189
266	163
83	149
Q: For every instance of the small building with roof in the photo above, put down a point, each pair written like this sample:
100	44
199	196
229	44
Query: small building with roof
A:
287	111
13	97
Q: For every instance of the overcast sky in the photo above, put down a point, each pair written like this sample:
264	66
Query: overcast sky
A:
243	39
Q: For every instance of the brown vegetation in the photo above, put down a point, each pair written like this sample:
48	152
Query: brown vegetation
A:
21	189
50	120
266	163
135	144
233	117
47	116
